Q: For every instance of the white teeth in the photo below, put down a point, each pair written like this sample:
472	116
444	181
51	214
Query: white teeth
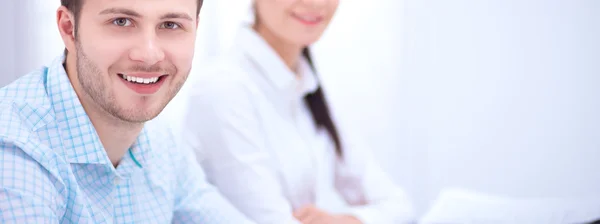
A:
140	80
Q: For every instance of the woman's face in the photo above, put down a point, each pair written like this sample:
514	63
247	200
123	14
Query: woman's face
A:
300	22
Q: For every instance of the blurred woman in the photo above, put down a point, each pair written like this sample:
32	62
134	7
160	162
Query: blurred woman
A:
266	137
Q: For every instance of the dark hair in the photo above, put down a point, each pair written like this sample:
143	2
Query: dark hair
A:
320	111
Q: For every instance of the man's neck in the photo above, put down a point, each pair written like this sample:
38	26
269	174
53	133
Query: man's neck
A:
116	136
290	53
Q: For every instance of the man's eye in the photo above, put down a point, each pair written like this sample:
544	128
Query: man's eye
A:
169	25
122	22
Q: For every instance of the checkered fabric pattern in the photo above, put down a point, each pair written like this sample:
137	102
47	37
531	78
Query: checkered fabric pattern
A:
54	169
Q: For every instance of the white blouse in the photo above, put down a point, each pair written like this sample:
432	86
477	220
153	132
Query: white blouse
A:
258	143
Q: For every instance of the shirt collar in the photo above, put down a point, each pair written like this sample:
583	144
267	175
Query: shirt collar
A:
273	68
308	82
80	140
138	156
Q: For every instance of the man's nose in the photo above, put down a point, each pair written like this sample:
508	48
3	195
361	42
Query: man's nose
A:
147	50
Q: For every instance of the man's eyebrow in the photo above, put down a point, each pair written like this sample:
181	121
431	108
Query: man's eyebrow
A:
175	15
128	12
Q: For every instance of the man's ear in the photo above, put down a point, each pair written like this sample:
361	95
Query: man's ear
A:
66	27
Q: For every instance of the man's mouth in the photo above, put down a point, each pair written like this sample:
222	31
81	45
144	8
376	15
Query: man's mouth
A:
140	80
144	83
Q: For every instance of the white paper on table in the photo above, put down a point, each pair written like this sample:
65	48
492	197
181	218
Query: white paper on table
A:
462	206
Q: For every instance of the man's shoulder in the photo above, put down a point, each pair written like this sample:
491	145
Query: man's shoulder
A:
27	164
22	127
28	178
29	87
28	167
24	107
25	112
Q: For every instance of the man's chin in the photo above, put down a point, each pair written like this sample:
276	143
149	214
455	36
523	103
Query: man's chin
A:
138	114
137	119
139	109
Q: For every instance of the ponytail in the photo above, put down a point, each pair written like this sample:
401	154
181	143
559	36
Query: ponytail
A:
319	109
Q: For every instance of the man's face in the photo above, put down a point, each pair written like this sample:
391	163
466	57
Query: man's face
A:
133	56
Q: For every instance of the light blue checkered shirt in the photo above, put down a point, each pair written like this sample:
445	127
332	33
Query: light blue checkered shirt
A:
53	167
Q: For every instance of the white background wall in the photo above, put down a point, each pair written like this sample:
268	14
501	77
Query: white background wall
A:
505	95
7	42
499	96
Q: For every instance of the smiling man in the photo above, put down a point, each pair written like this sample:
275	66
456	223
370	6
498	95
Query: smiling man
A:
77	144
